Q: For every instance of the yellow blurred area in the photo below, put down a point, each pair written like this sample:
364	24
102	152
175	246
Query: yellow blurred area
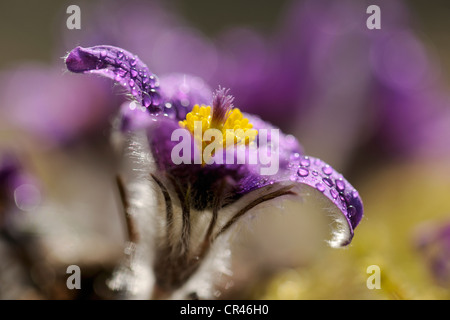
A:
398	199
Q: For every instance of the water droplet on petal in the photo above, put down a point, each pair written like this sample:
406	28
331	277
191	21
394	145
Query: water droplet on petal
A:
355	194
133	73
351	211
103	53
340	185
334	193
328	182
154	81
327	170
131	83
133	62
120	55
305	162
146	100
320	187
156	98
315	173
302	172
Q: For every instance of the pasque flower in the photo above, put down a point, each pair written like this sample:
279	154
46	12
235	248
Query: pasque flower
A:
18	189
198	203
433	242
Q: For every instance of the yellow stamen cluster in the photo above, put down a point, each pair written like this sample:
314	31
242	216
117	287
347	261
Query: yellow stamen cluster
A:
235	130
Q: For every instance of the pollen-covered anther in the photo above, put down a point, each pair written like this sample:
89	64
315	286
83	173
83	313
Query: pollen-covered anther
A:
236	129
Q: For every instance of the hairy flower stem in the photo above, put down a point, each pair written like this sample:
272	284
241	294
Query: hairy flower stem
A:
176	262
132	233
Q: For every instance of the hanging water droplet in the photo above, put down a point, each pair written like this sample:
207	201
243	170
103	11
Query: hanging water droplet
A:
156	98
351	211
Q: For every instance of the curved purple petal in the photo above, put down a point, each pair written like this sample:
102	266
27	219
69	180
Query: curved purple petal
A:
123	67
347	206
181	92
323	178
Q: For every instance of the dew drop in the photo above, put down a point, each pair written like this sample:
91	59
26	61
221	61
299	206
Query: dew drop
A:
320	187
146	100
156	98
133	73
340	185
302	172
351	211
328	182
315	173
305	162
334	193
153	81
131	83
133	62
327	170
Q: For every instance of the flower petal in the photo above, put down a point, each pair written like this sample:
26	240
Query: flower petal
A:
121	66
348	207
181	92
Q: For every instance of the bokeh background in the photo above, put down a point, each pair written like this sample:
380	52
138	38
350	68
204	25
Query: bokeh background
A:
373	103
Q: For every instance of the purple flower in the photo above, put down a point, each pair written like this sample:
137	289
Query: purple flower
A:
188	189
433	242
379	90
54	111
18	189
